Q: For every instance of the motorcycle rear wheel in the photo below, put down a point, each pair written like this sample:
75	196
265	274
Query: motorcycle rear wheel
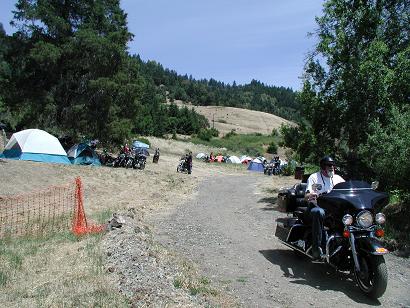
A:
372	278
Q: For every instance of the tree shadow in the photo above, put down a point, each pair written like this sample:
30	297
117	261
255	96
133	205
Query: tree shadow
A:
270	204
300	270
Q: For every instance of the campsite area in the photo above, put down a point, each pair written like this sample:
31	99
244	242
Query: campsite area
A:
205	239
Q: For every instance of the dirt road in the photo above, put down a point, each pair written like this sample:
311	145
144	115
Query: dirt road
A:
228	231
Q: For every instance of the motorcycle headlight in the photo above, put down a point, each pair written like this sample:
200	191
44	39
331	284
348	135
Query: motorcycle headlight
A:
380	218
364	219
347	220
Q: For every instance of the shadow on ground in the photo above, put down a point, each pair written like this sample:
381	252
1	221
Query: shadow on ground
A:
301	271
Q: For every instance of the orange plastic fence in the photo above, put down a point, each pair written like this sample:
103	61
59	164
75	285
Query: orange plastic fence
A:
52	209
80	225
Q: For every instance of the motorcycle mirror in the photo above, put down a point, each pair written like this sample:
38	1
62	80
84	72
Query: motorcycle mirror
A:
317	187
375	185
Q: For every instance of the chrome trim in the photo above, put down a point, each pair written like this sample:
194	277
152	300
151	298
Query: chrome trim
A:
354	253
362	212
295	225
353	189
295	248
328	256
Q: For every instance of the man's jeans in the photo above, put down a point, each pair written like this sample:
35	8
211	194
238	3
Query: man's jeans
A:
317	214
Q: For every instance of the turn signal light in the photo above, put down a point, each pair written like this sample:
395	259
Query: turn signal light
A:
379	232
346	233
381	250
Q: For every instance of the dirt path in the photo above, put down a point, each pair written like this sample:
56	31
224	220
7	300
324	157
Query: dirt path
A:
228	231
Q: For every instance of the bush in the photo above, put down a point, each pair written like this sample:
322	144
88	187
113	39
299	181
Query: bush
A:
289	169
230	134
387	150
272	148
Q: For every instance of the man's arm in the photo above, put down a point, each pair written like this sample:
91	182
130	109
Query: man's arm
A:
310	195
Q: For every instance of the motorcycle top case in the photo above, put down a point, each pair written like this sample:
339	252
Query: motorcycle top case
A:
292	197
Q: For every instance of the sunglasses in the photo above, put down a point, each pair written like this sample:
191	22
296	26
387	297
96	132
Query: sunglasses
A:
329	165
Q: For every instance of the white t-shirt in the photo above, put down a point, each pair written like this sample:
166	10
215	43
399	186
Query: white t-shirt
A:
326	182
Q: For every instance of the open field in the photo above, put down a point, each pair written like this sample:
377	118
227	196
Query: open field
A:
242	121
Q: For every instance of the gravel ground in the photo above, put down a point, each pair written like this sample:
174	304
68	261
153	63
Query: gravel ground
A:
228	231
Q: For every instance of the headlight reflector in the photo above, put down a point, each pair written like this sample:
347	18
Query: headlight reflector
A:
380	218
347	220
364	219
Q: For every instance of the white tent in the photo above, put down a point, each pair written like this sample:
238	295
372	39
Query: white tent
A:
35	145
233	160
200	155
245	158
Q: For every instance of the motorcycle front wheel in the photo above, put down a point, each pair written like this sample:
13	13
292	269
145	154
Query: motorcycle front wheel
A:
372	278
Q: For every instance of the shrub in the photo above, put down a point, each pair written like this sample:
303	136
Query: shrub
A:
272	148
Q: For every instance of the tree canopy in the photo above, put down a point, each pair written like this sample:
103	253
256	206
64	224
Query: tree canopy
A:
357	86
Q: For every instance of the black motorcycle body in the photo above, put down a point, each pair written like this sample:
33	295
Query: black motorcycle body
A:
268	169
184	166
139	161
353	246
120	161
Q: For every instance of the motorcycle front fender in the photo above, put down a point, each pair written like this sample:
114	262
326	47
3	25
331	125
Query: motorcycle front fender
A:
370	245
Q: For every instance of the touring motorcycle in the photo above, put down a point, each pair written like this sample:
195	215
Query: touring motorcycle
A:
352	232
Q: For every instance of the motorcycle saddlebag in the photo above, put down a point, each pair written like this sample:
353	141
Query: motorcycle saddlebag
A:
283	226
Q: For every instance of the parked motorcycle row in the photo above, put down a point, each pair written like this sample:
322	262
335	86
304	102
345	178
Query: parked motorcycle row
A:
126	160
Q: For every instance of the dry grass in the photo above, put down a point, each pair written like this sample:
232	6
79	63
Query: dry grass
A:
64	271
242	121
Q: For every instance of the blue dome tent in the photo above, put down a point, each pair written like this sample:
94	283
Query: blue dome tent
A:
83	154
256	165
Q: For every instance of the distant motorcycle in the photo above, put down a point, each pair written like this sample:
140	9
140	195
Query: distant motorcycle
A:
120	161
139	161
184	166
155	159
268	169
106	159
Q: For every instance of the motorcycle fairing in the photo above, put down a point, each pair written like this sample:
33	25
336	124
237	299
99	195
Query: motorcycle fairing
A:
356	195
370	245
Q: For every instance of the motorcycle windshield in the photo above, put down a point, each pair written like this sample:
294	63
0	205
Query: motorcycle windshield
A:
356	194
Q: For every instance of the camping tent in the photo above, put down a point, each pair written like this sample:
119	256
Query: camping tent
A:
142	151
138	144
83	154
256	165
35	145
200	155
233	160
245	159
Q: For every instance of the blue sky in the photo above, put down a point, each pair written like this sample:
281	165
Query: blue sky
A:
227	40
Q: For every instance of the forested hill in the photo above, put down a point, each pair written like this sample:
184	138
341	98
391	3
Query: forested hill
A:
257	96
67	70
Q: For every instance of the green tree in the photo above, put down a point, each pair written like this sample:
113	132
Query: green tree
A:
67	62
358	69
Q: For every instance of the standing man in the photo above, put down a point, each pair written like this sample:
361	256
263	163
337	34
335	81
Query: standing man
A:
317	184
189	162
